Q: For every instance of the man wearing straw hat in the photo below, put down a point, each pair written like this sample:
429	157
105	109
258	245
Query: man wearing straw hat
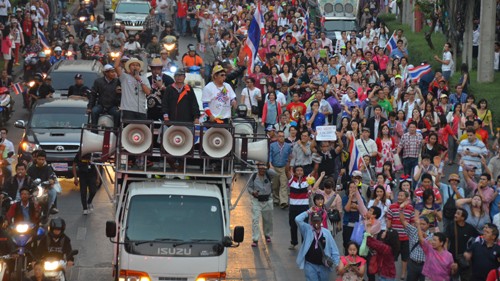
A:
135	88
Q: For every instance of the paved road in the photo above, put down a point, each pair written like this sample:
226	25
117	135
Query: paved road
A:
266	262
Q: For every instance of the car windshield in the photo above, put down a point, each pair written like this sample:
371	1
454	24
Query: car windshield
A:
340	25
62	80
58	117
156	217
132	8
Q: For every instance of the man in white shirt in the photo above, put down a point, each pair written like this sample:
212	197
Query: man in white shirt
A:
365	39
326	43
218	97
446	61
496	62
410	104
250	96
365	145
324	105
92	38
9	146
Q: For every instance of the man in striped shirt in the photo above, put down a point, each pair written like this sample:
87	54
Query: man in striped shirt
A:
393	221
472	150
299	201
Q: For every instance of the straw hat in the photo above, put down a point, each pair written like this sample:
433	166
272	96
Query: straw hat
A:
131	61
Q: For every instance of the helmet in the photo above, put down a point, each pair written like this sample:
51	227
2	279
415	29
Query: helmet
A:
57	49
57	223
42	55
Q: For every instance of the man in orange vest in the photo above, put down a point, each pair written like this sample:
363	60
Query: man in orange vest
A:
179	102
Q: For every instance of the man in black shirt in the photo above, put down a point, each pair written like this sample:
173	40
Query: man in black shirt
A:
483	254
85	174
78	89
104	97
459	235
40	170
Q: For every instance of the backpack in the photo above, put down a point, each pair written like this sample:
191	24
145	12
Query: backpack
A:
450	207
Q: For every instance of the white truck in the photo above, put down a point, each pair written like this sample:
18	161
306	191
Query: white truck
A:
337	16
165	227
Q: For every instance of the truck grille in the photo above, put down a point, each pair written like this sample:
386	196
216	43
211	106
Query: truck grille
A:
133	23
57	148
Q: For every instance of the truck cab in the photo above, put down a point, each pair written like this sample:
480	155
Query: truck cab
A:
338	16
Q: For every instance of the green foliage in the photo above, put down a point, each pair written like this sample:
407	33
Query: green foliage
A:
419	51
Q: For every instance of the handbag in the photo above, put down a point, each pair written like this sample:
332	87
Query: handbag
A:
254	108
327	261
462	262
358	232
398	165
333	216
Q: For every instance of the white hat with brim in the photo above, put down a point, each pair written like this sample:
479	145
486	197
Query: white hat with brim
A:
131	61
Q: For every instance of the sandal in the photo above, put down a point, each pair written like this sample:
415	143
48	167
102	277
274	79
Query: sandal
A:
268	239
254	244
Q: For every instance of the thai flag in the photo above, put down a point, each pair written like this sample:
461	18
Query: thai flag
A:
43	40
306	22
18	89
392	43
355	157
417	72
255	31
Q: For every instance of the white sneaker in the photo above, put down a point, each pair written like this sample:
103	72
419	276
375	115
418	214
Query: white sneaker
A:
85	212
91	207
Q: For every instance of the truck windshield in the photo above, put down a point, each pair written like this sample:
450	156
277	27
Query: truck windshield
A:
340	25
51	117
174	217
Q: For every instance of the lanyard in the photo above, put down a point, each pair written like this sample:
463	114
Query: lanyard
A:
316	239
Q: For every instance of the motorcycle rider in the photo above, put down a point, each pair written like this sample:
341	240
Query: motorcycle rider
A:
92	38
43	65
105	49
71	46
5	79
57	55
14	184
103	97
55	243
191	58
150	26
37	91
78	89
38	274
117	38
131	46
40	170
17	211
33	47
154	48
82	12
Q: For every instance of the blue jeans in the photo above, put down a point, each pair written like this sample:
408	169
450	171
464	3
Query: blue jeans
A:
409	163
381	278
316	272
181	25
52	194
98	109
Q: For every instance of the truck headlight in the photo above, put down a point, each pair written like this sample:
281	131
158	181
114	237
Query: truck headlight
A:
51	265
29	146
132	275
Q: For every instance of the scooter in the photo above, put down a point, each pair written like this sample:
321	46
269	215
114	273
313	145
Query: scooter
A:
23	234
55	269
41	197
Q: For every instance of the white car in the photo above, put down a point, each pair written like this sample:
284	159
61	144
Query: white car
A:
132	13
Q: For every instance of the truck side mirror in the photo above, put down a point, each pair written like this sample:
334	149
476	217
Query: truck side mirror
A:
110	229
20	124
239	234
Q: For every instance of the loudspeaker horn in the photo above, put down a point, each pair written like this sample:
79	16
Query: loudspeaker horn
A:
105	121
136	138
217	142
243	128
257	151
177	140
95	143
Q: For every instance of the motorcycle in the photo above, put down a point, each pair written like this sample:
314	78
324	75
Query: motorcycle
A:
41	197
55	269
29	66
170	44
23	234
6	105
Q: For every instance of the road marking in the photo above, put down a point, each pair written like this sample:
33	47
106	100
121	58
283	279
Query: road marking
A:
81	233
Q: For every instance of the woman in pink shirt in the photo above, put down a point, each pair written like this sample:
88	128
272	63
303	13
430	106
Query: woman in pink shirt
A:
440	268
381	59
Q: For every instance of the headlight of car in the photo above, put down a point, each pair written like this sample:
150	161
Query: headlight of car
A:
29	147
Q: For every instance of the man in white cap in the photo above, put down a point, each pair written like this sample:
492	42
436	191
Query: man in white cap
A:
104	97
218	97
135	88
92	38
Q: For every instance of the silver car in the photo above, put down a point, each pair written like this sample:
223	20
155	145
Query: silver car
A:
132	13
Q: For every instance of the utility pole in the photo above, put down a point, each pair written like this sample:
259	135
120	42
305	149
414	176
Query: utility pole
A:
487	41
